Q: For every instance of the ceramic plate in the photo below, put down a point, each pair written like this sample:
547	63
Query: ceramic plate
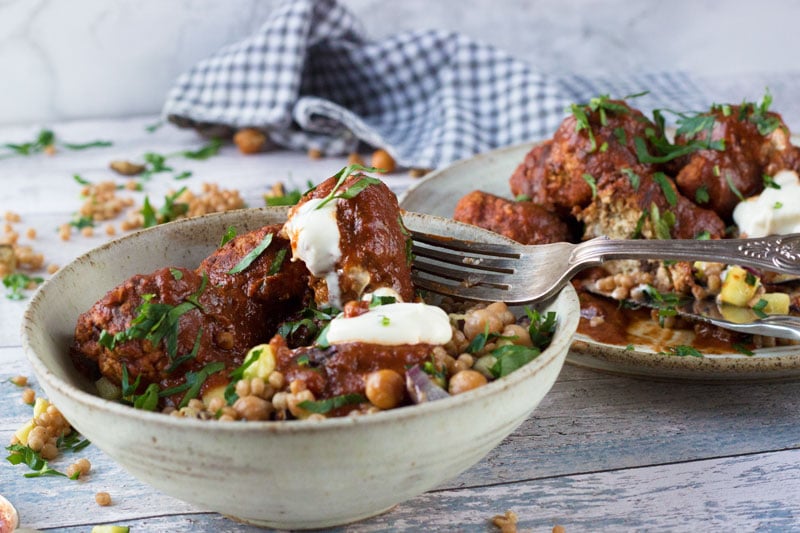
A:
438	194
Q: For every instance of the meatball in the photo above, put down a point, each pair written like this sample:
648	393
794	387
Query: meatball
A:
366	246
646	206
752	142
525	222
590	146
271	278
158	318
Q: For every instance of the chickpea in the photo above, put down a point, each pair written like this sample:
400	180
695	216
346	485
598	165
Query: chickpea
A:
242	388
466	380
19	381
28	396
276	380
79	468
502	311
253	408
523	337
476	322
294	400
102	499
354	158
37	438
385	388
49	451
382	160
250	140
224	340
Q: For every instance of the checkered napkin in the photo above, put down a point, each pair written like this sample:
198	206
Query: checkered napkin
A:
311	79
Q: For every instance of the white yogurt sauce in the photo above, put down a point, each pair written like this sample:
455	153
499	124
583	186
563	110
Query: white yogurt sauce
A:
392	325
314	236
774	211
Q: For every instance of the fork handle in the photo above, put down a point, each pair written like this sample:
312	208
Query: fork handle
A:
778	253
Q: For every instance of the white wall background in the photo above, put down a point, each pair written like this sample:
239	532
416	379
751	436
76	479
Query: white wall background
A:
66	59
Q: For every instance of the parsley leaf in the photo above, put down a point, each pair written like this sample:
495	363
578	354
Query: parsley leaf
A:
247	260
758	309
666	188
701	195
229	235
633	177
21	454
327	405
589	179
769	182
733	188
682	350
207	151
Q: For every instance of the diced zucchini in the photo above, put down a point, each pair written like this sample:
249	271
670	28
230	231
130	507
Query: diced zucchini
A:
739	287
263	366
111	529
23	432
777	303
214	392
40	406
107	389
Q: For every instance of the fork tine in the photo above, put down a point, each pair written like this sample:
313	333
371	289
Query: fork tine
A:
500	250
459	273
459	290
481	263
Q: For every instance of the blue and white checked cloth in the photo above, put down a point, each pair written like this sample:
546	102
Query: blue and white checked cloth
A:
311	79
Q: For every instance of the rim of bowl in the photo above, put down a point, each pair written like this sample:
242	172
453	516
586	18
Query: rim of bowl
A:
559	345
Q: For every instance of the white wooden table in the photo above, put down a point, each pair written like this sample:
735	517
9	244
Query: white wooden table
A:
602	452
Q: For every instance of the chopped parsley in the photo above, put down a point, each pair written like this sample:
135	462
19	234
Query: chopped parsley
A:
17	282
45	141
355	188
238	373
769	182
193	384
701	195
510	357
733	188
633	177
666	188
155	322
759	115
21	454
682	350
589	179
229	235
758	309
327	405
209	150
277	262
662	222
247	260
742	349
171	210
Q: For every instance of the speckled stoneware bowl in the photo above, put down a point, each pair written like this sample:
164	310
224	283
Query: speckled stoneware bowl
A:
297	474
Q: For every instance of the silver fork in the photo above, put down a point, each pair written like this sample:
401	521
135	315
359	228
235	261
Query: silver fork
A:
526	274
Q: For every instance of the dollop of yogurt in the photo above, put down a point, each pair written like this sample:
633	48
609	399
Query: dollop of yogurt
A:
314	236
392	325
774	211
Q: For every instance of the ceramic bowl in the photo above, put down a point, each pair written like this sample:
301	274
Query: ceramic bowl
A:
294	474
